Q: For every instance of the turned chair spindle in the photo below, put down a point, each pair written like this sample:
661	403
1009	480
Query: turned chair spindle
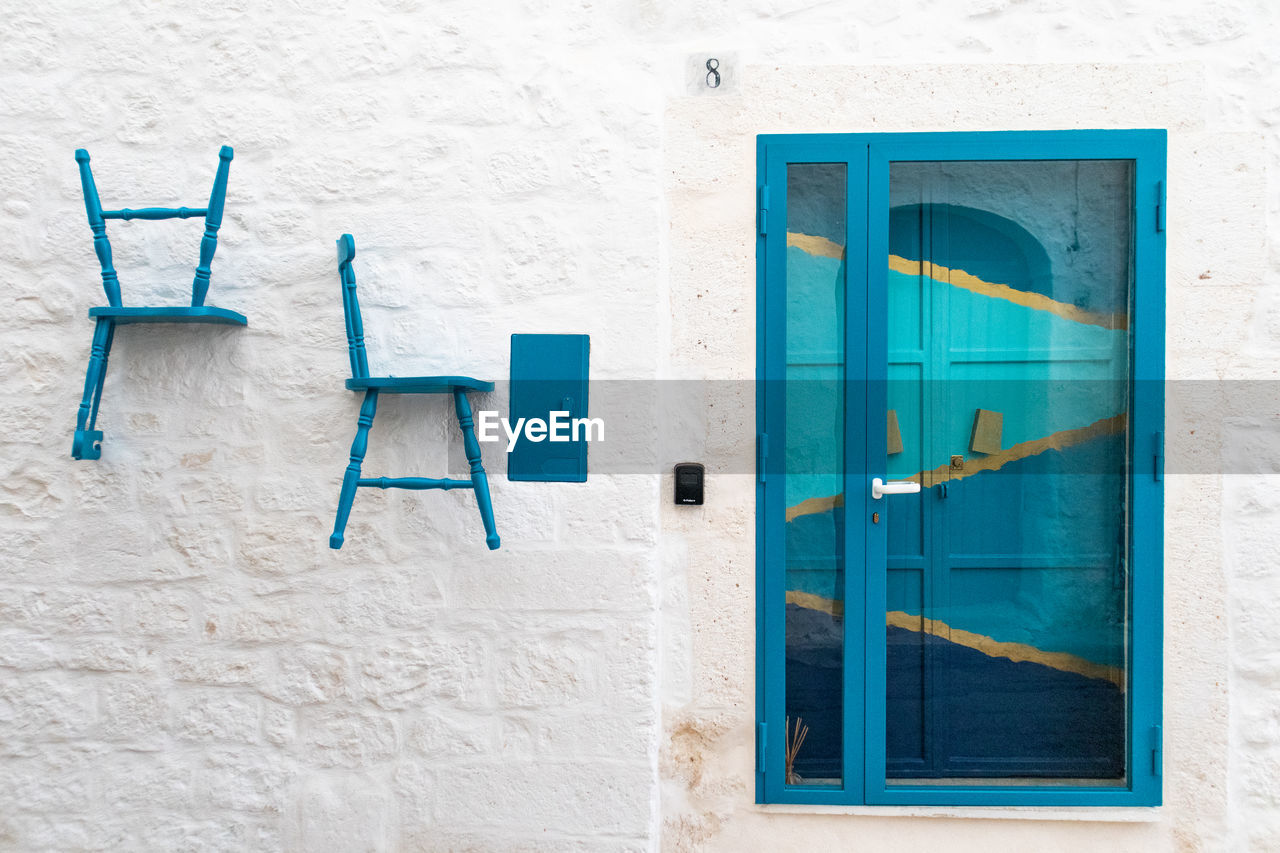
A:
87	441
457	386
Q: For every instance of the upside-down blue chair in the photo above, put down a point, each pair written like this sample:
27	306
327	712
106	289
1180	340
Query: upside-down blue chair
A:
360	380
87	442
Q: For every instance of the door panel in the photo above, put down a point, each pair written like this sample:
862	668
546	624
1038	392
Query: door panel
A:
814	529
964	324
1008	347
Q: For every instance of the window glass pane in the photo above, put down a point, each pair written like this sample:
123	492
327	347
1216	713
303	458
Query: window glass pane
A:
814	526
1007	614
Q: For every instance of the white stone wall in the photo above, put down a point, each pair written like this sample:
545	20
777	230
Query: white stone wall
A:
184	664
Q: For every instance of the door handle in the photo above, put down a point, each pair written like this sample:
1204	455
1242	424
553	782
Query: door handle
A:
879	488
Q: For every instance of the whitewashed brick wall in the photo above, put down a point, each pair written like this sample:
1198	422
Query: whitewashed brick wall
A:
185	665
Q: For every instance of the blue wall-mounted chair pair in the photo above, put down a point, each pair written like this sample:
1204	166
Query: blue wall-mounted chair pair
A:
87	442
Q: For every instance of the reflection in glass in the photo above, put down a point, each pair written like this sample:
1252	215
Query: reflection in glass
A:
1007	612
814	529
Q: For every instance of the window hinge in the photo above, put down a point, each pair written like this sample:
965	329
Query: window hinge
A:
760	745
762	454
1161	203
1157	751
1158	471
764	209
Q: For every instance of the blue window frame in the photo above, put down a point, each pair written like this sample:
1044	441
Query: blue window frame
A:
977	319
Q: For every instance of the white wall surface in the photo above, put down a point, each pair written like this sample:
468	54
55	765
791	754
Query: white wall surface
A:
184	664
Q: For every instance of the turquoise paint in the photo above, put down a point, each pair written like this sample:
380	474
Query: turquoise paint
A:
815	308
1070	607
997	249
867	587
1009	254
1037	399
86	442
815	365
207	314
372	386
549	373
813	442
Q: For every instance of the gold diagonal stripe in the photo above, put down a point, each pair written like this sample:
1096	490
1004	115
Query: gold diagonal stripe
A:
813	506
824	248
809	601
1025	298
1057	441
1016	652
818	246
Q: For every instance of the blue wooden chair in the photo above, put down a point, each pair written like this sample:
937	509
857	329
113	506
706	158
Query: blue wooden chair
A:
360	380
87	443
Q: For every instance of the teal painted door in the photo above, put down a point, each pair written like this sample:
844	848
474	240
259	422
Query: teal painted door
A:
1006	612
1006	599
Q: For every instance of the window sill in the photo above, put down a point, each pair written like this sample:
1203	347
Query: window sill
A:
1117	814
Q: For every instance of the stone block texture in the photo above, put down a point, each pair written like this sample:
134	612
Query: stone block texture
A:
186	665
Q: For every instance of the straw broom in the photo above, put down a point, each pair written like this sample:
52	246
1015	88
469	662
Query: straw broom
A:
795	739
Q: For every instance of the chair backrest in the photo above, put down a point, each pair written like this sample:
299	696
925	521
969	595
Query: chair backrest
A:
351	308
208	244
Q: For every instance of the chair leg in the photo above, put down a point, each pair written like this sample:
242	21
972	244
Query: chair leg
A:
87	441
102	376
479	481
349	480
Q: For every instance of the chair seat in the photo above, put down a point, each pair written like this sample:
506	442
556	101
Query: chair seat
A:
175	314
419	384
